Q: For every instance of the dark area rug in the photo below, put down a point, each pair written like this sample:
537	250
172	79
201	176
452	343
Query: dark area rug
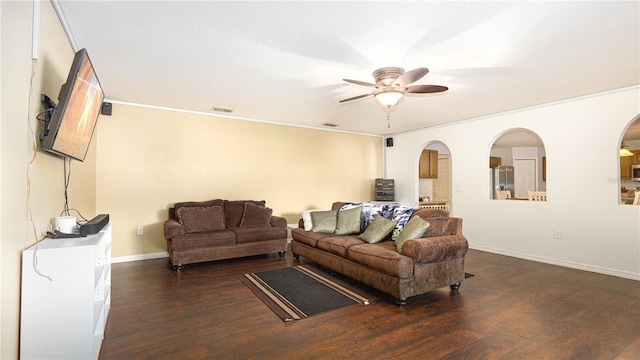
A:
298	292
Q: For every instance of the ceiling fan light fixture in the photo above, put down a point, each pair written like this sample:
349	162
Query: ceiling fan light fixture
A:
624	150
390	98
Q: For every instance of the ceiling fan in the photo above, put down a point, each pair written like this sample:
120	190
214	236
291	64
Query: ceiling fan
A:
392	83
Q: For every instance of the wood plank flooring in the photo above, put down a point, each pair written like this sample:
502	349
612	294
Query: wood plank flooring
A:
510	309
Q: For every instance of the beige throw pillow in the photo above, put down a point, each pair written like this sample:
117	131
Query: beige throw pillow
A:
324	221
349	221
414	229
379	228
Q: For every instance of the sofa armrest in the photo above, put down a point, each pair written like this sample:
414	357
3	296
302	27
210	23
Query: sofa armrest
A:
435	249
173	228
278	221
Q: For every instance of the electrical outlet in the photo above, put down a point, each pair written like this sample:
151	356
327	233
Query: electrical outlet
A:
140	230
557	234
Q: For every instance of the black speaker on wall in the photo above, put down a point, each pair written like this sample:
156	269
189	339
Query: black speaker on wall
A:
389	142
106	109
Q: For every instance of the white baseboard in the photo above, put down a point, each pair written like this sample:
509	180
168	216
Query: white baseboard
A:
568	264
121	259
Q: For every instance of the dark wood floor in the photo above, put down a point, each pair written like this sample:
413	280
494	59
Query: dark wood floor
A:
510	309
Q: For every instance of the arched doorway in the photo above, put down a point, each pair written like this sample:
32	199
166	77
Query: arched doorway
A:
434	174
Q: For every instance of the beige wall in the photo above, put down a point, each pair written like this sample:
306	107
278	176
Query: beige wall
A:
146	160
31	182
149	159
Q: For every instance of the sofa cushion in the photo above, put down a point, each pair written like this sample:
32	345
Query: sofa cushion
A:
399	213
200	219
414	229
233	211
438	218
203	239
256	234
216	202
349	221
382	257
438	227
308	237
338	244
324	221
255	216
379	228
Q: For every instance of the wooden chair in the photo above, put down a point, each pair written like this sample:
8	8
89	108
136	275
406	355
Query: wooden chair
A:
503	194
537	196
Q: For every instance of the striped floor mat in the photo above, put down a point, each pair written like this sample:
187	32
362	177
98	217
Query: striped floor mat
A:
298	292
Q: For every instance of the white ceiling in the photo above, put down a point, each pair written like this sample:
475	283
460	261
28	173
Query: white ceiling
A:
284	61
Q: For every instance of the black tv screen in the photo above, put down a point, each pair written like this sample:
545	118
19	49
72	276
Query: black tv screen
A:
69	130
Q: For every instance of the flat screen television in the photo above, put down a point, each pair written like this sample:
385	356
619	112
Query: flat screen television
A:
69	126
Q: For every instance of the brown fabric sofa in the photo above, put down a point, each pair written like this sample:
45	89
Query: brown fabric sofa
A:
222	229
424	264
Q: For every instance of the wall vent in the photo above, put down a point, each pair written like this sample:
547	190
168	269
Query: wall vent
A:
221	109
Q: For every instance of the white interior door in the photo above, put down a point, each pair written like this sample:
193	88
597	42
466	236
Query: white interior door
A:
441	188
524	177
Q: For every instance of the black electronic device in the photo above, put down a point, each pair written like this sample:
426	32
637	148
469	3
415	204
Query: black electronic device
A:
94	225
60	235
389	142
69	126
106	109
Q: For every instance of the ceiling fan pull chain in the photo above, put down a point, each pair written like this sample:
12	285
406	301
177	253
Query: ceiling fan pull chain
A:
388	122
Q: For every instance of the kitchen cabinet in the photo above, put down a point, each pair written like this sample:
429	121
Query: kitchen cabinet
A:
636	157
625	167
494	161
428	168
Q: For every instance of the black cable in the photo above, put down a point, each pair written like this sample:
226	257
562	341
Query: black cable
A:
67	178
39	116
79	215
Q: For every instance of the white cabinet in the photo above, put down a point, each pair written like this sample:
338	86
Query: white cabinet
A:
66	292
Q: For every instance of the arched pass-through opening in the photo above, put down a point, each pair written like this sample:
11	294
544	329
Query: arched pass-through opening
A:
517	165
628	156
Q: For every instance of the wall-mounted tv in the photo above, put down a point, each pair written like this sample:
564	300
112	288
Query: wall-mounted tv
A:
69	126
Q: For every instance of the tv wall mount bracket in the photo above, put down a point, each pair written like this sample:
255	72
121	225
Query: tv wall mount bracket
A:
49	107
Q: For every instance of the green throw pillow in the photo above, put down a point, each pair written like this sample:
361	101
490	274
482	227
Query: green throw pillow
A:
349	221
415	228
324	221
379	228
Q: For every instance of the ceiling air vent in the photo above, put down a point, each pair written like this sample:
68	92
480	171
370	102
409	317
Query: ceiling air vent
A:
221	109
330	124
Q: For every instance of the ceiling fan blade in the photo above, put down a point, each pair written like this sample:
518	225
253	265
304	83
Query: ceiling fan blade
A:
358	82
356	97
425	89
410	76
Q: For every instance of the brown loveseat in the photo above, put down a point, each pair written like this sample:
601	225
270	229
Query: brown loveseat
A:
432	261
222	229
